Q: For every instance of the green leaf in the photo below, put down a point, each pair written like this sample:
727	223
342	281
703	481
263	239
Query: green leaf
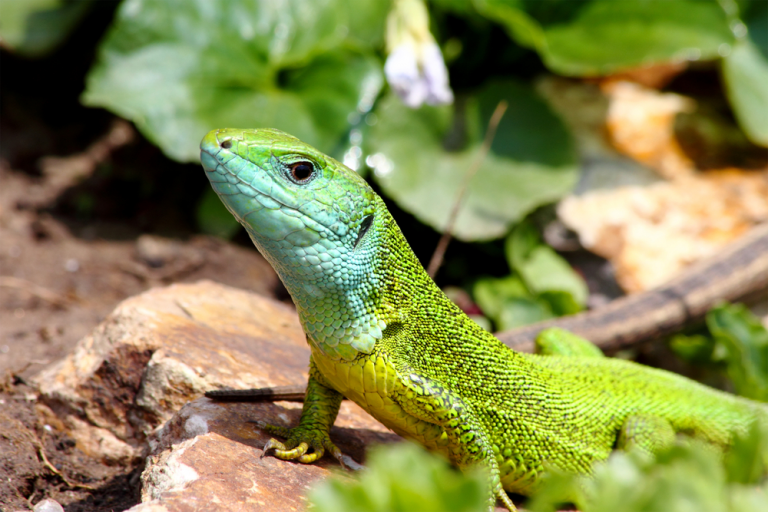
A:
520	243
755	15
746	341
521	311
522	27
745	73
34	28
490	293
606	36
531	162
687	476
179	69
508	302
545	271
562	303
403	478
695	348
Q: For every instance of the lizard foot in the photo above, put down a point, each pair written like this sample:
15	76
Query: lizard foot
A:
304	444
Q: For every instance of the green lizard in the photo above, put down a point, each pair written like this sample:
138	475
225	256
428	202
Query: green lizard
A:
382	334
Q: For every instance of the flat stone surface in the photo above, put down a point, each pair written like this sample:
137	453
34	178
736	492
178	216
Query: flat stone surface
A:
165	347
209	452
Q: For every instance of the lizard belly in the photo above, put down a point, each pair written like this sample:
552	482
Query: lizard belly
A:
374	384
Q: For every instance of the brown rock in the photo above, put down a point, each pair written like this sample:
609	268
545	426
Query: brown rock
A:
209	453
162	348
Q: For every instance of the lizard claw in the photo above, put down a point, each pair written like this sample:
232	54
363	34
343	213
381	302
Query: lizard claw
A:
305	445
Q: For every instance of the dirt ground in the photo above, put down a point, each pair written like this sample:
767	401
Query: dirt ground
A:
90	214
59	277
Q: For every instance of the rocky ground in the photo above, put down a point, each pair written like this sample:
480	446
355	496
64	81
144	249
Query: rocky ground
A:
60	277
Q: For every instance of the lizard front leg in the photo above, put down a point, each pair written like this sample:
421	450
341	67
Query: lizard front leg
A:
308	441
468	443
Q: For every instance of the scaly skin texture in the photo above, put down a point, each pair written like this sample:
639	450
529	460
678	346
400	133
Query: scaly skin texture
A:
384	335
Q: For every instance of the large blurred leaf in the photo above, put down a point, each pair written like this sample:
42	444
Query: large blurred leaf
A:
403	478
606	36
531	161
35	27
745	72
178	69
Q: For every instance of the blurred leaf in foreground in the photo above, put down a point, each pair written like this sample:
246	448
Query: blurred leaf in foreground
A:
178	68
688	476
531	162
402	478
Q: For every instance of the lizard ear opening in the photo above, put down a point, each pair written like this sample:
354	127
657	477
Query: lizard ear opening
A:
364	226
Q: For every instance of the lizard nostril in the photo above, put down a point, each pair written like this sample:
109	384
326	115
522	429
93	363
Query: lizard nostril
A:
226	144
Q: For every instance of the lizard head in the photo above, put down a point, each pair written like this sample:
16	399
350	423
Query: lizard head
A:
316	221
282	189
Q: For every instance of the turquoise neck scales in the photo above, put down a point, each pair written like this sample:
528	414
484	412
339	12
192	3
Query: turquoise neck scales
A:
309	232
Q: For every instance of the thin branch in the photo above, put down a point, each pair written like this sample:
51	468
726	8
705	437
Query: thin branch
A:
490	133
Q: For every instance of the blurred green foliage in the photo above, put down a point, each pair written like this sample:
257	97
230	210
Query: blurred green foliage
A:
402	478
688	476
541	284
736	344
524	169
179	69
315	68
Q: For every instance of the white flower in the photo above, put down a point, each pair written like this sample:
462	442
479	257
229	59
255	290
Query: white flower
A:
415	68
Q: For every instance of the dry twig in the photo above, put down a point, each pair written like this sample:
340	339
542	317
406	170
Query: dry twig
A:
442	245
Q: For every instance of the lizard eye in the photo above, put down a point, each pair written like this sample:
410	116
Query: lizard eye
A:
302	171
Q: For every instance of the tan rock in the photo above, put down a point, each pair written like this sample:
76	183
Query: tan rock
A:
640	123
163	348
209	453
651	230
650	233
